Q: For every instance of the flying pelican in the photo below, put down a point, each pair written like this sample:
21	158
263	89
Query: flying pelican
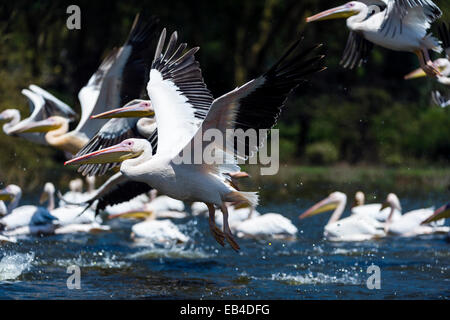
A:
443	64
23	215
358	227
373	209
398	25
177	92
409	224
120	78
42	106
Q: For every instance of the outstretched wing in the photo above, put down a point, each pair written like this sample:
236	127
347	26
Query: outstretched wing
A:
258	103
444	35
178	94
123	75
419	13
115	190
52	106
356	51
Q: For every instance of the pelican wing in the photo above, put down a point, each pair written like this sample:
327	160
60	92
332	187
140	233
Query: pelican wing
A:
124	76
178	94
88	95
258	103
444	35
417	13
115	190
356	51
52	106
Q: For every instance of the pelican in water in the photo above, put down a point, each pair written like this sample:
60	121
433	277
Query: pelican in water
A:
119	79
357	227
443	64
42	105
177	91
27	215
410	223
393	24
372	210
247	222
151	229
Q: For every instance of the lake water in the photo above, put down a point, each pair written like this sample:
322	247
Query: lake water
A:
113	266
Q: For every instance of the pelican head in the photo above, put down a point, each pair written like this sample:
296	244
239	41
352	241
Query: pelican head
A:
345	11
49	189
441	213
76	185
8	115
442	64
127	149
392	201
134	109
49	124
330	203
10	192
359	199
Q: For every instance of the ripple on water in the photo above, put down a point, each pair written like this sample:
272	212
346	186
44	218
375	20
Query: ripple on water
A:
318	278
170	252
102	260
13	265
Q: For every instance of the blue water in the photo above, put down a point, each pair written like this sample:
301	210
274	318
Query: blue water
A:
113	266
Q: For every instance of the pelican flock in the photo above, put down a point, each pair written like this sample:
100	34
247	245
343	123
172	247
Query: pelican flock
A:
147	106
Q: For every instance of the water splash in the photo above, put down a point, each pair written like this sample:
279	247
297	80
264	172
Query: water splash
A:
318	278
13	265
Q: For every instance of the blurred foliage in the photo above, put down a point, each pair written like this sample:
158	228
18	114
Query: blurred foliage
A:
370	114
321	153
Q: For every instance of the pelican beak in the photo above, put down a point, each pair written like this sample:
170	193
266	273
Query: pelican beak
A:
344	11
415	74
118	153
327	204
43	198
5	195
131	110
441	213
138	214
36	126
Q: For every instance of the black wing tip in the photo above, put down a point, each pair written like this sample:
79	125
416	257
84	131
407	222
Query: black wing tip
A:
142	29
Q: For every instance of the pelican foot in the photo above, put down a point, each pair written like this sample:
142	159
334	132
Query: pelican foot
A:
232	242
217	234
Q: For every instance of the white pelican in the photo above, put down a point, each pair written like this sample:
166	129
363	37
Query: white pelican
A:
120	78
24	215
372	210
41	107
443	64
151	229
358	227
246	222
65	215
410	223
3	209
177	92
399	25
